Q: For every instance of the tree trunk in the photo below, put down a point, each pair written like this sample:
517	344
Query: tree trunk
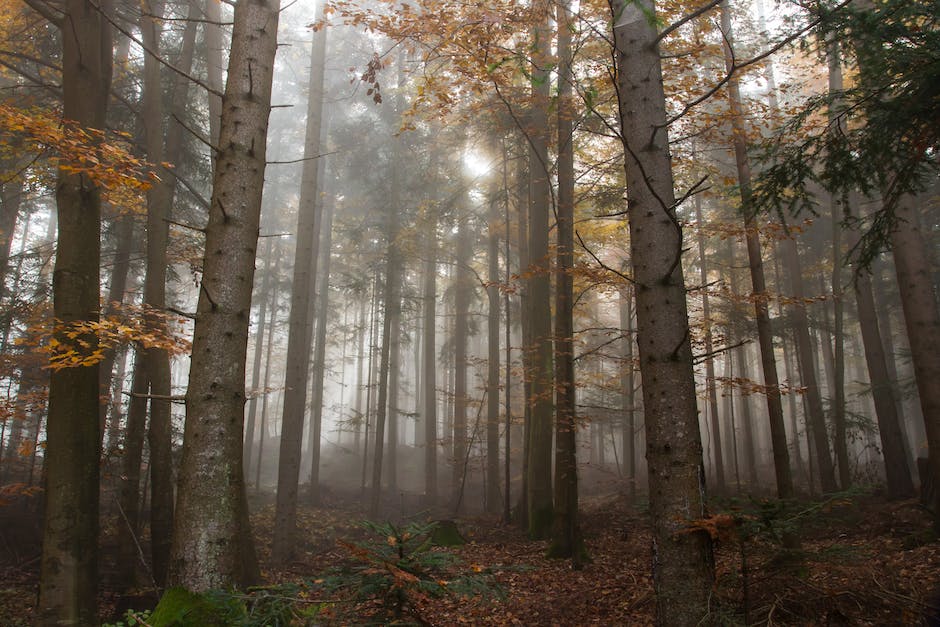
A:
300	336
462	294
778	434
627	391
319	358
159	199
710	385
683	571
492	340
68	579
263	296
566	532
212	545
922	319
816	416
429	344
541	373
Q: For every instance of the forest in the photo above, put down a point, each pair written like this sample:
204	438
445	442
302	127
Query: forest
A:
435	312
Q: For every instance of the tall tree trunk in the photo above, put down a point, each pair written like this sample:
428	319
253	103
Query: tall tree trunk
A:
263	426
747	422
627	390
710	386
897	472
816	416
68	579
212	545
524	193
303	290
429	344
263	296
778	434
159	199
922	319
683	571
462	294
541	400
492	340
319	358
566	532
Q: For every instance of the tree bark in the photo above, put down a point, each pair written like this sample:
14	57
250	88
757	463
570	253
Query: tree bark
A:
922	319
492	339
319	358
710	385
303	293
68	579
683	570
541	369
212	546
429	345
778	434
566	531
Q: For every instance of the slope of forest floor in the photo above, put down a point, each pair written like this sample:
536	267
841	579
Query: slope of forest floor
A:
862	561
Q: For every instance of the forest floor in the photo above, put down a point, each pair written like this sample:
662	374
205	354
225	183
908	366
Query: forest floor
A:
862	561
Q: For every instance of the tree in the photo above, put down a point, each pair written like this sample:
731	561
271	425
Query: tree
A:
778	432
566	533
212	546
683	570
69	568
303	295
540	369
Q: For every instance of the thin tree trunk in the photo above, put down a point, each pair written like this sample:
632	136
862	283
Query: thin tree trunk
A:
566	531
711	388
429	343
778	434
256	361
319	358
492	339
462	294
300	335
263	426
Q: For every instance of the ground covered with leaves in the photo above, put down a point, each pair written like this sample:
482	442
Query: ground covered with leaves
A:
861	561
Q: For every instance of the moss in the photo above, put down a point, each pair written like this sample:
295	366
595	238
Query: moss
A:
179	607
445	533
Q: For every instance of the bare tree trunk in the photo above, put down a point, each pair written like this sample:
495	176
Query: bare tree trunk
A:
710	385
539	470
303	291
263	296
462	294
683	571
319	358
492	340
159	199
566	531
922	320
778	434
429	344
263	426
212	545
627	390
68	579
